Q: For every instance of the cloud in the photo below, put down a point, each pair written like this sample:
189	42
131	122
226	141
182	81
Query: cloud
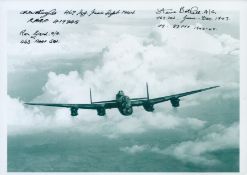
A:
129	62
214	138
74	42
217	137
195	40
134	149
22	120
26	120
229	44
58	88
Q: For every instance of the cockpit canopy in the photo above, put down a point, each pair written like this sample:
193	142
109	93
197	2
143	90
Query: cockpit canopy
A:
119	94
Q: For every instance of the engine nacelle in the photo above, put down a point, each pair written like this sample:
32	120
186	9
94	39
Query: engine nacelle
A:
148	107
101	111
73	111
175	102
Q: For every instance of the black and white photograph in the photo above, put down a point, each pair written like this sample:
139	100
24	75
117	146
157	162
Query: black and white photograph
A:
128	87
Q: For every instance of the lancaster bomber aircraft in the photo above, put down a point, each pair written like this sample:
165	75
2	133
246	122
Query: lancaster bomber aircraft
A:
124	103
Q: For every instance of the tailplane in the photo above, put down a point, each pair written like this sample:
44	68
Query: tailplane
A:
91	101
147	91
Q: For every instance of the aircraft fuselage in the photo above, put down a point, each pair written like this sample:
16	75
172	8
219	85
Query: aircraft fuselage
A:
124	104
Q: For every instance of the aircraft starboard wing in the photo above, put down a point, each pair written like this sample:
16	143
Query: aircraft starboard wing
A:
167	98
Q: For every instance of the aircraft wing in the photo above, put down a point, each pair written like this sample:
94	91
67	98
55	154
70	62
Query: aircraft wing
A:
153	101
106	105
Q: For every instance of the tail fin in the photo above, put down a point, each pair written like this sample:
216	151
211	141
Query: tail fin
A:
91	96
147	91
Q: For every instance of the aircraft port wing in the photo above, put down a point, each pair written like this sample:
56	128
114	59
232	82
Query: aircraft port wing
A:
106	105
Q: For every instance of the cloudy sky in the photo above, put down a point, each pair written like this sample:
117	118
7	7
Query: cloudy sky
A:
109	54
